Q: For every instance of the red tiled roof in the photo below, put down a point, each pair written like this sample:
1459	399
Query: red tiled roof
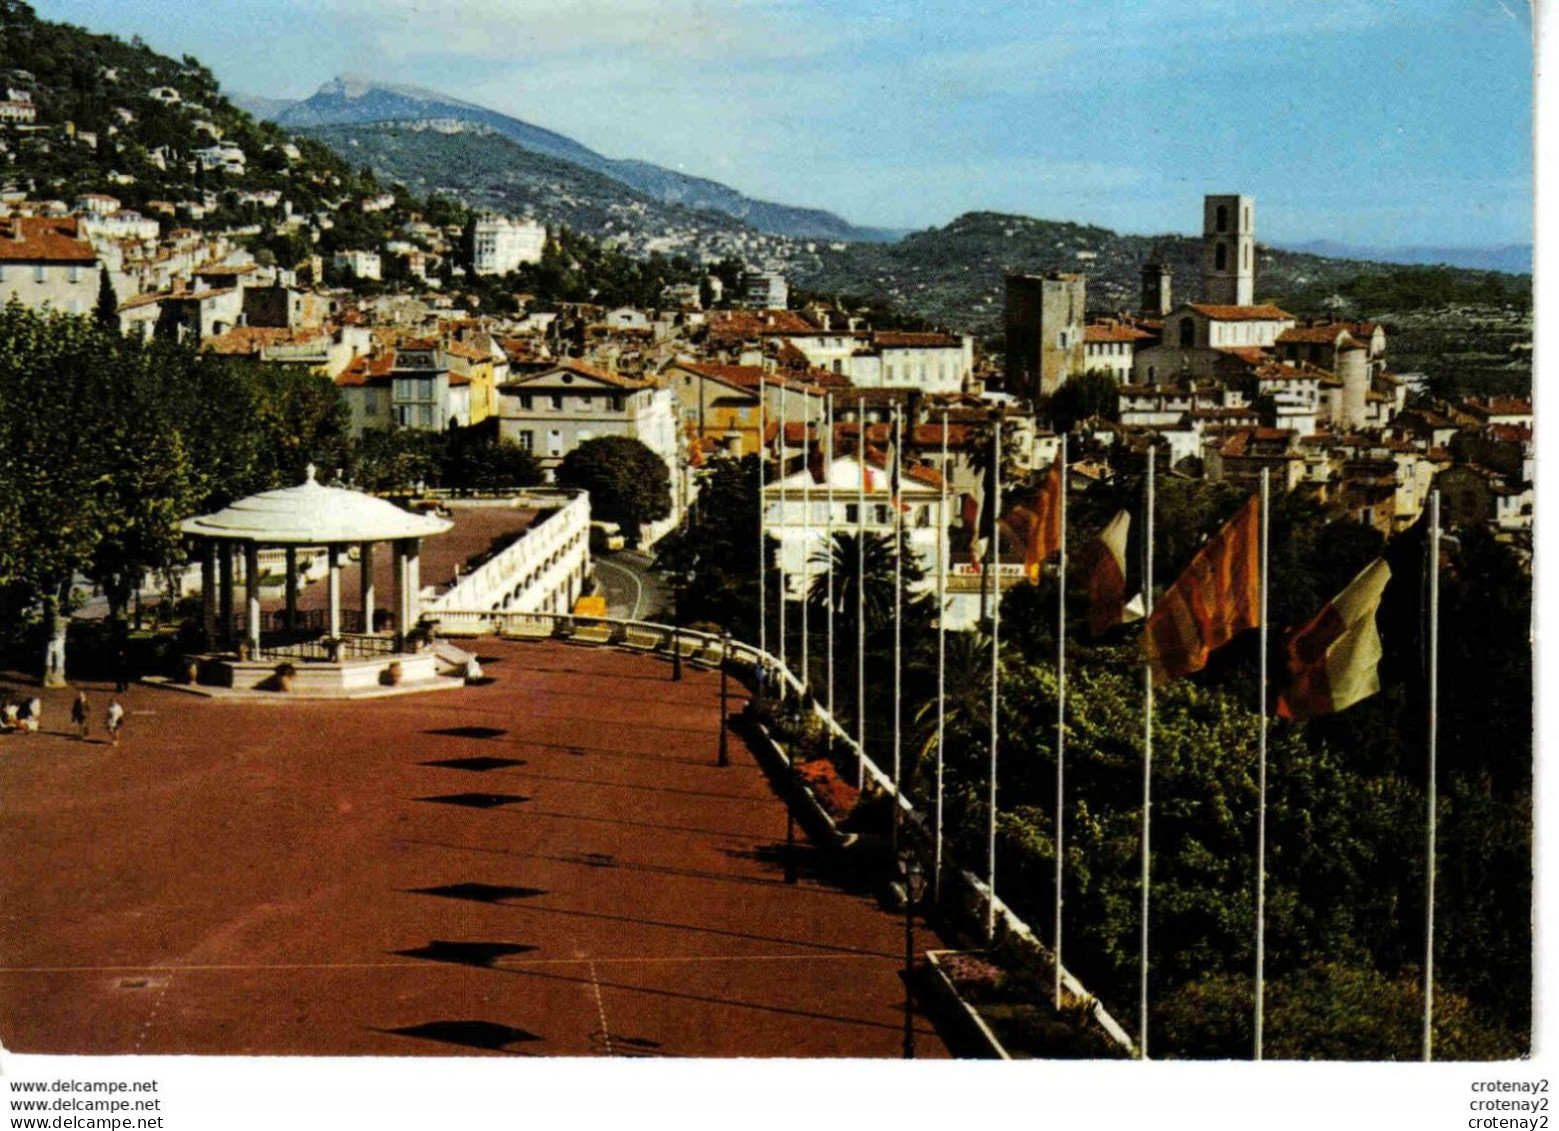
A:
43	240
739	325
1250	355
1323	334
366	368
245	340
903	339
1113	334
1218	313
584	370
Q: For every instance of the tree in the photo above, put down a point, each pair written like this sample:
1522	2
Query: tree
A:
628	483
1095	393
107	310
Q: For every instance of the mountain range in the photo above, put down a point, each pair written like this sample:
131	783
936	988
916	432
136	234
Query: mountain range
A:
349	100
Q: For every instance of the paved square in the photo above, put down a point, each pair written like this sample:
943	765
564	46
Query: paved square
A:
550	864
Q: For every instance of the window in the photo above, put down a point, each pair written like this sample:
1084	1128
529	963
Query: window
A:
527	441
852	513
527	401
1188	331
1221	256
1247	255
2	272
40	273
1061	340
1223	218
75	275
881	512
557	402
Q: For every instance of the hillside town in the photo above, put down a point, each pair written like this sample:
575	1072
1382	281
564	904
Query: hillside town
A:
1227	385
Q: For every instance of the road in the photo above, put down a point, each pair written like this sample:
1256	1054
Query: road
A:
632	590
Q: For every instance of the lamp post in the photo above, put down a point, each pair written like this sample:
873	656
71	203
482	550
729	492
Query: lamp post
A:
793	727
725	682
914	888
676	629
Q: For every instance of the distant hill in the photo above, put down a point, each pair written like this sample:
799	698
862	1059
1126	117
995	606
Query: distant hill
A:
349	100
1513	258
483	169
259	107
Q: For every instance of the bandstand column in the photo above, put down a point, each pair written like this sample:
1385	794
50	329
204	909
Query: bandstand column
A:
365	558
252	596
333	554
399	574
413	582
292	588
225	591
208	590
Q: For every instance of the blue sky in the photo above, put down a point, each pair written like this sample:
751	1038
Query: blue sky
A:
1381	123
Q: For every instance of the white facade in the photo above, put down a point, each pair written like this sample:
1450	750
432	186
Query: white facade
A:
552	413
363	264
502	244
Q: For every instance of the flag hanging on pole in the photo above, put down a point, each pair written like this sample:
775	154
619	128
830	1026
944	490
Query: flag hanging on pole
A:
1335	658
1034	520
1215	599
1104	559
895	471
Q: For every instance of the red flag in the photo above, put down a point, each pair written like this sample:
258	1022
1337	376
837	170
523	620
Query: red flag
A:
1335	658
1105	560
1216	598
970	514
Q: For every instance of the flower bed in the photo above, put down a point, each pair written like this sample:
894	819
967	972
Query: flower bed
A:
1013	1012
837	796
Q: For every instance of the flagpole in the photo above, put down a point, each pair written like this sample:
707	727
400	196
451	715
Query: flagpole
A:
828	480
1261	771
1060	724
1147	768
784	469
897	472
1433	793
763	531
806	543
941	667
990	849
860	595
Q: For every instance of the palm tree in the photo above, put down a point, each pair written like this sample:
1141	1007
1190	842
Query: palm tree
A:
841	563
968	696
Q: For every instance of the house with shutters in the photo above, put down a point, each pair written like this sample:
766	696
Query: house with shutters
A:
552	412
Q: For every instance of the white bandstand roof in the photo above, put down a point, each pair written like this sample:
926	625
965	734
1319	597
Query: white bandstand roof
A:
311	514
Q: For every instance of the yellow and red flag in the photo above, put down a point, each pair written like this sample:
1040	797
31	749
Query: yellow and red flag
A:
1034	518
1217	598
1335	658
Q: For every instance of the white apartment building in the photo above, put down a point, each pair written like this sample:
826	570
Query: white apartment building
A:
363	264
503	243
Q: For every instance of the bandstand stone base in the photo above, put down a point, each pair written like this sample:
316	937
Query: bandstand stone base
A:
221	676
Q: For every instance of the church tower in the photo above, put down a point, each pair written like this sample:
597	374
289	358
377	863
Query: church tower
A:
1229	250
1157	283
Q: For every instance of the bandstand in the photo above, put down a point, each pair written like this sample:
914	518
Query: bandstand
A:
343	653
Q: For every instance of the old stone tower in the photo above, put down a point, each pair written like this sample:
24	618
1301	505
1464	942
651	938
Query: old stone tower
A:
1044	324
1157	283
1229	250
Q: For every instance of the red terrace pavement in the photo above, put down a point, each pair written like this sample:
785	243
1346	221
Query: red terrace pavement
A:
551	864
474	530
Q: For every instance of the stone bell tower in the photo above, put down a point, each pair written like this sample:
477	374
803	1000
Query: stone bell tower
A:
1229	250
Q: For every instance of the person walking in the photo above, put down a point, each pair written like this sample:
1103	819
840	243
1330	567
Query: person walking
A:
79	712
114	720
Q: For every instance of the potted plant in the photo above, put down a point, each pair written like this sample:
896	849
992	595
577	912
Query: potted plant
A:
392	674
285	674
